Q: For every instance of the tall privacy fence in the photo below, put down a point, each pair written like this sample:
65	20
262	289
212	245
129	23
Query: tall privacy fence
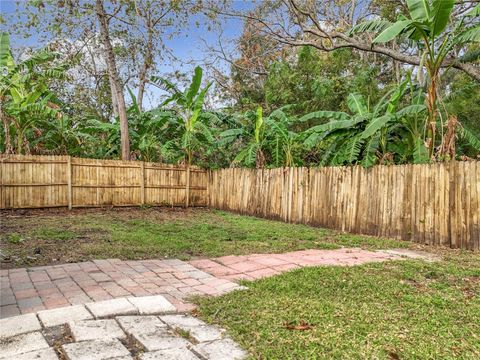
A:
52	181
437	204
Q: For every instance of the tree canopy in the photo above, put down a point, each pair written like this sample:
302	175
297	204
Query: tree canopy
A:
302	83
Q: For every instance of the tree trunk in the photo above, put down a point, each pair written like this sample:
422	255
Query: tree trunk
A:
117	95
147	63
114	97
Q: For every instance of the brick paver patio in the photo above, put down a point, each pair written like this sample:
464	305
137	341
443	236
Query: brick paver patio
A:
27	290
256	266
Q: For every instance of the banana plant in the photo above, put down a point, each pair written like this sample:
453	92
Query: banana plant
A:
25	97
365	135
429	27
283	143
265	139
252	135
190	122
147	130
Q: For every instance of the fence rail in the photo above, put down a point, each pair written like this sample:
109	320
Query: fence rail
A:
54	181
437	204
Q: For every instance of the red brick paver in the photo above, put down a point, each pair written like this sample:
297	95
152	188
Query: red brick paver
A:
27	290
256	266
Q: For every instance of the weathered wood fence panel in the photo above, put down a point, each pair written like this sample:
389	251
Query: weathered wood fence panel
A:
437	204
54	181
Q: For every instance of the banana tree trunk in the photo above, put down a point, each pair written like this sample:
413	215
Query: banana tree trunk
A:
6	131
432	112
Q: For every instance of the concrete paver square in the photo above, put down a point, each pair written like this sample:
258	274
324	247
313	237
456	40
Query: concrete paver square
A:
224	349
140	324
152	304
43	354
55	317
95	330
20	344
180	353
19	325
112	307
95	350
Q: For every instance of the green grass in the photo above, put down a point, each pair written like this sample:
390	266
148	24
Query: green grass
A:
395	310
159	232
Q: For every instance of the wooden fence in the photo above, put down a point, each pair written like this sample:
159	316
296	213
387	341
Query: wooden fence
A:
53	181
436	204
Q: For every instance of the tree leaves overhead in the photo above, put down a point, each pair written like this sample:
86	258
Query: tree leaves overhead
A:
376	26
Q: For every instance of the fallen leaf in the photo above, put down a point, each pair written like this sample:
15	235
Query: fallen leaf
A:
301	326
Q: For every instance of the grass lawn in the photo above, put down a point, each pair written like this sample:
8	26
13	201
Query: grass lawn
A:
40	237
396	310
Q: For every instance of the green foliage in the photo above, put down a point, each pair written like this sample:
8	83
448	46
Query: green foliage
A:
312	109
27	101
364	137
431	30
190	121
317	80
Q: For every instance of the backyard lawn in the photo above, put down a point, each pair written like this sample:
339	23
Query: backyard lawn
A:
407	309
36	237
394	310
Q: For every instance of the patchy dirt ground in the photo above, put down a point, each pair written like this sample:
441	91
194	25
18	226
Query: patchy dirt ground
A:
49	236
53	236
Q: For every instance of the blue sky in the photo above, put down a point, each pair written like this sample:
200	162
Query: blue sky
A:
188	47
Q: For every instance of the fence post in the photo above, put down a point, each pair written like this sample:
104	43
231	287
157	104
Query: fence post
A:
207	174
452	204
142	185
187	186
290	194
69	182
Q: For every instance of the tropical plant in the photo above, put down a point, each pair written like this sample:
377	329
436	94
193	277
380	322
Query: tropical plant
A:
283	143
429	27
365	136
25	96
265	140
253	138
147	131
190	121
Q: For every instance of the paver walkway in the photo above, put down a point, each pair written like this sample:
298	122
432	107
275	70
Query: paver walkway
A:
117	329
256	266
28	290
